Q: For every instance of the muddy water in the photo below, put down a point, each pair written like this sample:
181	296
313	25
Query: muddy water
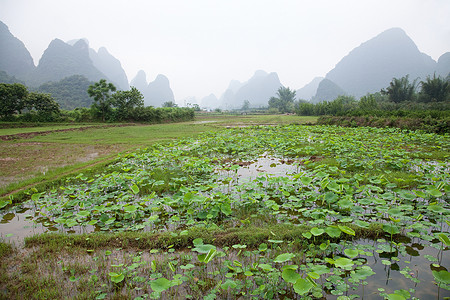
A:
262	166
391	278
20	222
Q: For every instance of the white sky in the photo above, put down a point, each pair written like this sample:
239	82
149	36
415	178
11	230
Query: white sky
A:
200	45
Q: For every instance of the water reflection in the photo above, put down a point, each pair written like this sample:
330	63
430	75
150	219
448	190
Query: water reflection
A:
23	221
402	271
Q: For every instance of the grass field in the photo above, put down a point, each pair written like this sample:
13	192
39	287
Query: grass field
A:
41	128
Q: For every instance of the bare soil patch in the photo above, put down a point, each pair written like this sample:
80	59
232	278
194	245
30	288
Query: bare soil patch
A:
20	161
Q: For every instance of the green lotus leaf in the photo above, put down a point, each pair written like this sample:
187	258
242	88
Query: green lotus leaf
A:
284	257
160	285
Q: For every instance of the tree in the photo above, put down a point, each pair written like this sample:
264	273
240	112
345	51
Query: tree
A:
12	98
125	102
169	104
101	92
46	108
245	105
400	89
42	103
435	89
285	100
70	92
196	107
368	102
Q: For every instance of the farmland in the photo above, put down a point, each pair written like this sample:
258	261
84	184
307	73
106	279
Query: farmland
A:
226	211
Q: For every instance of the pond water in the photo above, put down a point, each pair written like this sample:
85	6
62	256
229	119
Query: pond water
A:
264	165
415	264
22	221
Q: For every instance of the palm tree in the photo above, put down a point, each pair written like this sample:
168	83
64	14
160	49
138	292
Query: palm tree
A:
400	89
285	100
435	89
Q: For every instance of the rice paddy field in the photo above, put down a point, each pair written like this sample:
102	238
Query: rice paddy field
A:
278	210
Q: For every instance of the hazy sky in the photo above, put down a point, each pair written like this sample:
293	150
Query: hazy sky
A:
200	45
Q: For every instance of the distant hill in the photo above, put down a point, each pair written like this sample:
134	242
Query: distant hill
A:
15	59
371	66
140	81
110	66
443	65
107	64
209	102
327	91
257	90
156	92
70	92
5	78
309	90
62	60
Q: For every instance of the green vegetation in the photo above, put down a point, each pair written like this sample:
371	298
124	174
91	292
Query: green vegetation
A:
5	78
12	98
400	89
45	158
121	106
101	92
70	92
435	89
284	102
397	106
45	155
254	212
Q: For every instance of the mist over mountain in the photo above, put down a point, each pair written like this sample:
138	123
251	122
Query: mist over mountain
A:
62	60
209	102
107	64
371	66
140	81
235	85
15	59
443	65
159	91
368	68
110	66
5	78
309	90
257	90
327	91
156	92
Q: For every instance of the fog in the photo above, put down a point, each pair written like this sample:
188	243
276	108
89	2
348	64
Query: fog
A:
201	45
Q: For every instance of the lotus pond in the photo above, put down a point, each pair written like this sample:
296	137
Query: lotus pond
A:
328	212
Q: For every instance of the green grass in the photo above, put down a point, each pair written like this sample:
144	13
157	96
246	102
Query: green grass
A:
137	136
43	127
5	249
250	235
237	120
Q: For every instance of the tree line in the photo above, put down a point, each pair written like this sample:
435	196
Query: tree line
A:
109	105
401	98
15	99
